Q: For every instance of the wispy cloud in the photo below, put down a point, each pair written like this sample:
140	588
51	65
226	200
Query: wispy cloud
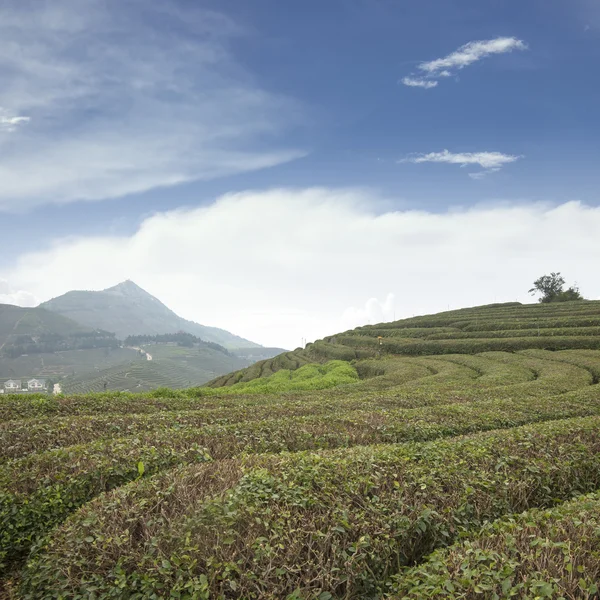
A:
422	83
127	96
11	123
483	174
472	52
463	57
490	161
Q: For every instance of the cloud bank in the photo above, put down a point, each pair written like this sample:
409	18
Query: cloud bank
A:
282	265
463	57
126	96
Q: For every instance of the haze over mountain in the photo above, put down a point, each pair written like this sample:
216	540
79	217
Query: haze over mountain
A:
126	309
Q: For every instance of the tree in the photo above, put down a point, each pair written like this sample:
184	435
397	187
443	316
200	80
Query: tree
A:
551	289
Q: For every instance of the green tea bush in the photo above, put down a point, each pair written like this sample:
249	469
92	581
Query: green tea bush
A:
514	333
540	554
508	328
76	474
41	490
310	525
475	346
307	377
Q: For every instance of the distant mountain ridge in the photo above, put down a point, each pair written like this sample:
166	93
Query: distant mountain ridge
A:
126	309
16	321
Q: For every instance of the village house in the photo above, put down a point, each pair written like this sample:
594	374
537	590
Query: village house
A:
36	385
12	385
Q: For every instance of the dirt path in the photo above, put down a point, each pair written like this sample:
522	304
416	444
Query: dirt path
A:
148	356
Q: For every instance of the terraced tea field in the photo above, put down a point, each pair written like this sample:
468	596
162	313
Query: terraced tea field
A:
449	456
172	366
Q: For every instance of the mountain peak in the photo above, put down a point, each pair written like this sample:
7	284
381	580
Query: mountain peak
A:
127	309
128	288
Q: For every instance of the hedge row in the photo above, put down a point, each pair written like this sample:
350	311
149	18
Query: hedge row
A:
309	525
388	373
40	490
567	316
395	384
563	321
287	360
390	370
513	333
367	346
475	346
539	554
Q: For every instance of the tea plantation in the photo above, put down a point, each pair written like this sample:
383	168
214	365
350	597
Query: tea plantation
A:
448	456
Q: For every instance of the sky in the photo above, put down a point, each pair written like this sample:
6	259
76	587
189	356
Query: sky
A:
289	170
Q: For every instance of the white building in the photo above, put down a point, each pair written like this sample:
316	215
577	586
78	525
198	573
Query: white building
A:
12	385
36	385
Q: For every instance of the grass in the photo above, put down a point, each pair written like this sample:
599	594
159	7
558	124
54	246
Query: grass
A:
391	461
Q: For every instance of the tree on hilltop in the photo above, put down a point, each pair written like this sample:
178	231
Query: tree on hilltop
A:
551	289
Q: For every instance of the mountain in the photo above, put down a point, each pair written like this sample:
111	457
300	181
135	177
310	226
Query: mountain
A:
16	322
72	339
35	342
126	309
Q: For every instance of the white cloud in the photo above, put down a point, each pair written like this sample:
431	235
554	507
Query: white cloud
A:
8	123
283	265
483	174
463	57
373	311
472	52
124	97
16	297
422	83
491	161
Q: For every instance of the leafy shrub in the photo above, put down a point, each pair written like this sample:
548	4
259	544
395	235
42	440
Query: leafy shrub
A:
340	523
541	554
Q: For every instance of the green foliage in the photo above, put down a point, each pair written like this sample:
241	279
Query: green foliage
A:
551	289
321	478
41	490
35	324
341	522
50	343
509	327
187	340
549	553
307	377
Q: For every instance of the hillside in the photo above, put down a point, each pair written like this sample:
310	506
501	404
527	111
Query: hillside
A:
448	456
171	366
126	309
36	342
499	327
16	321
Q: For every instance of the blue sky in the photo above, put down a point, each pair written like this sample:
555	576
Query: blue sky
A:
113	118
